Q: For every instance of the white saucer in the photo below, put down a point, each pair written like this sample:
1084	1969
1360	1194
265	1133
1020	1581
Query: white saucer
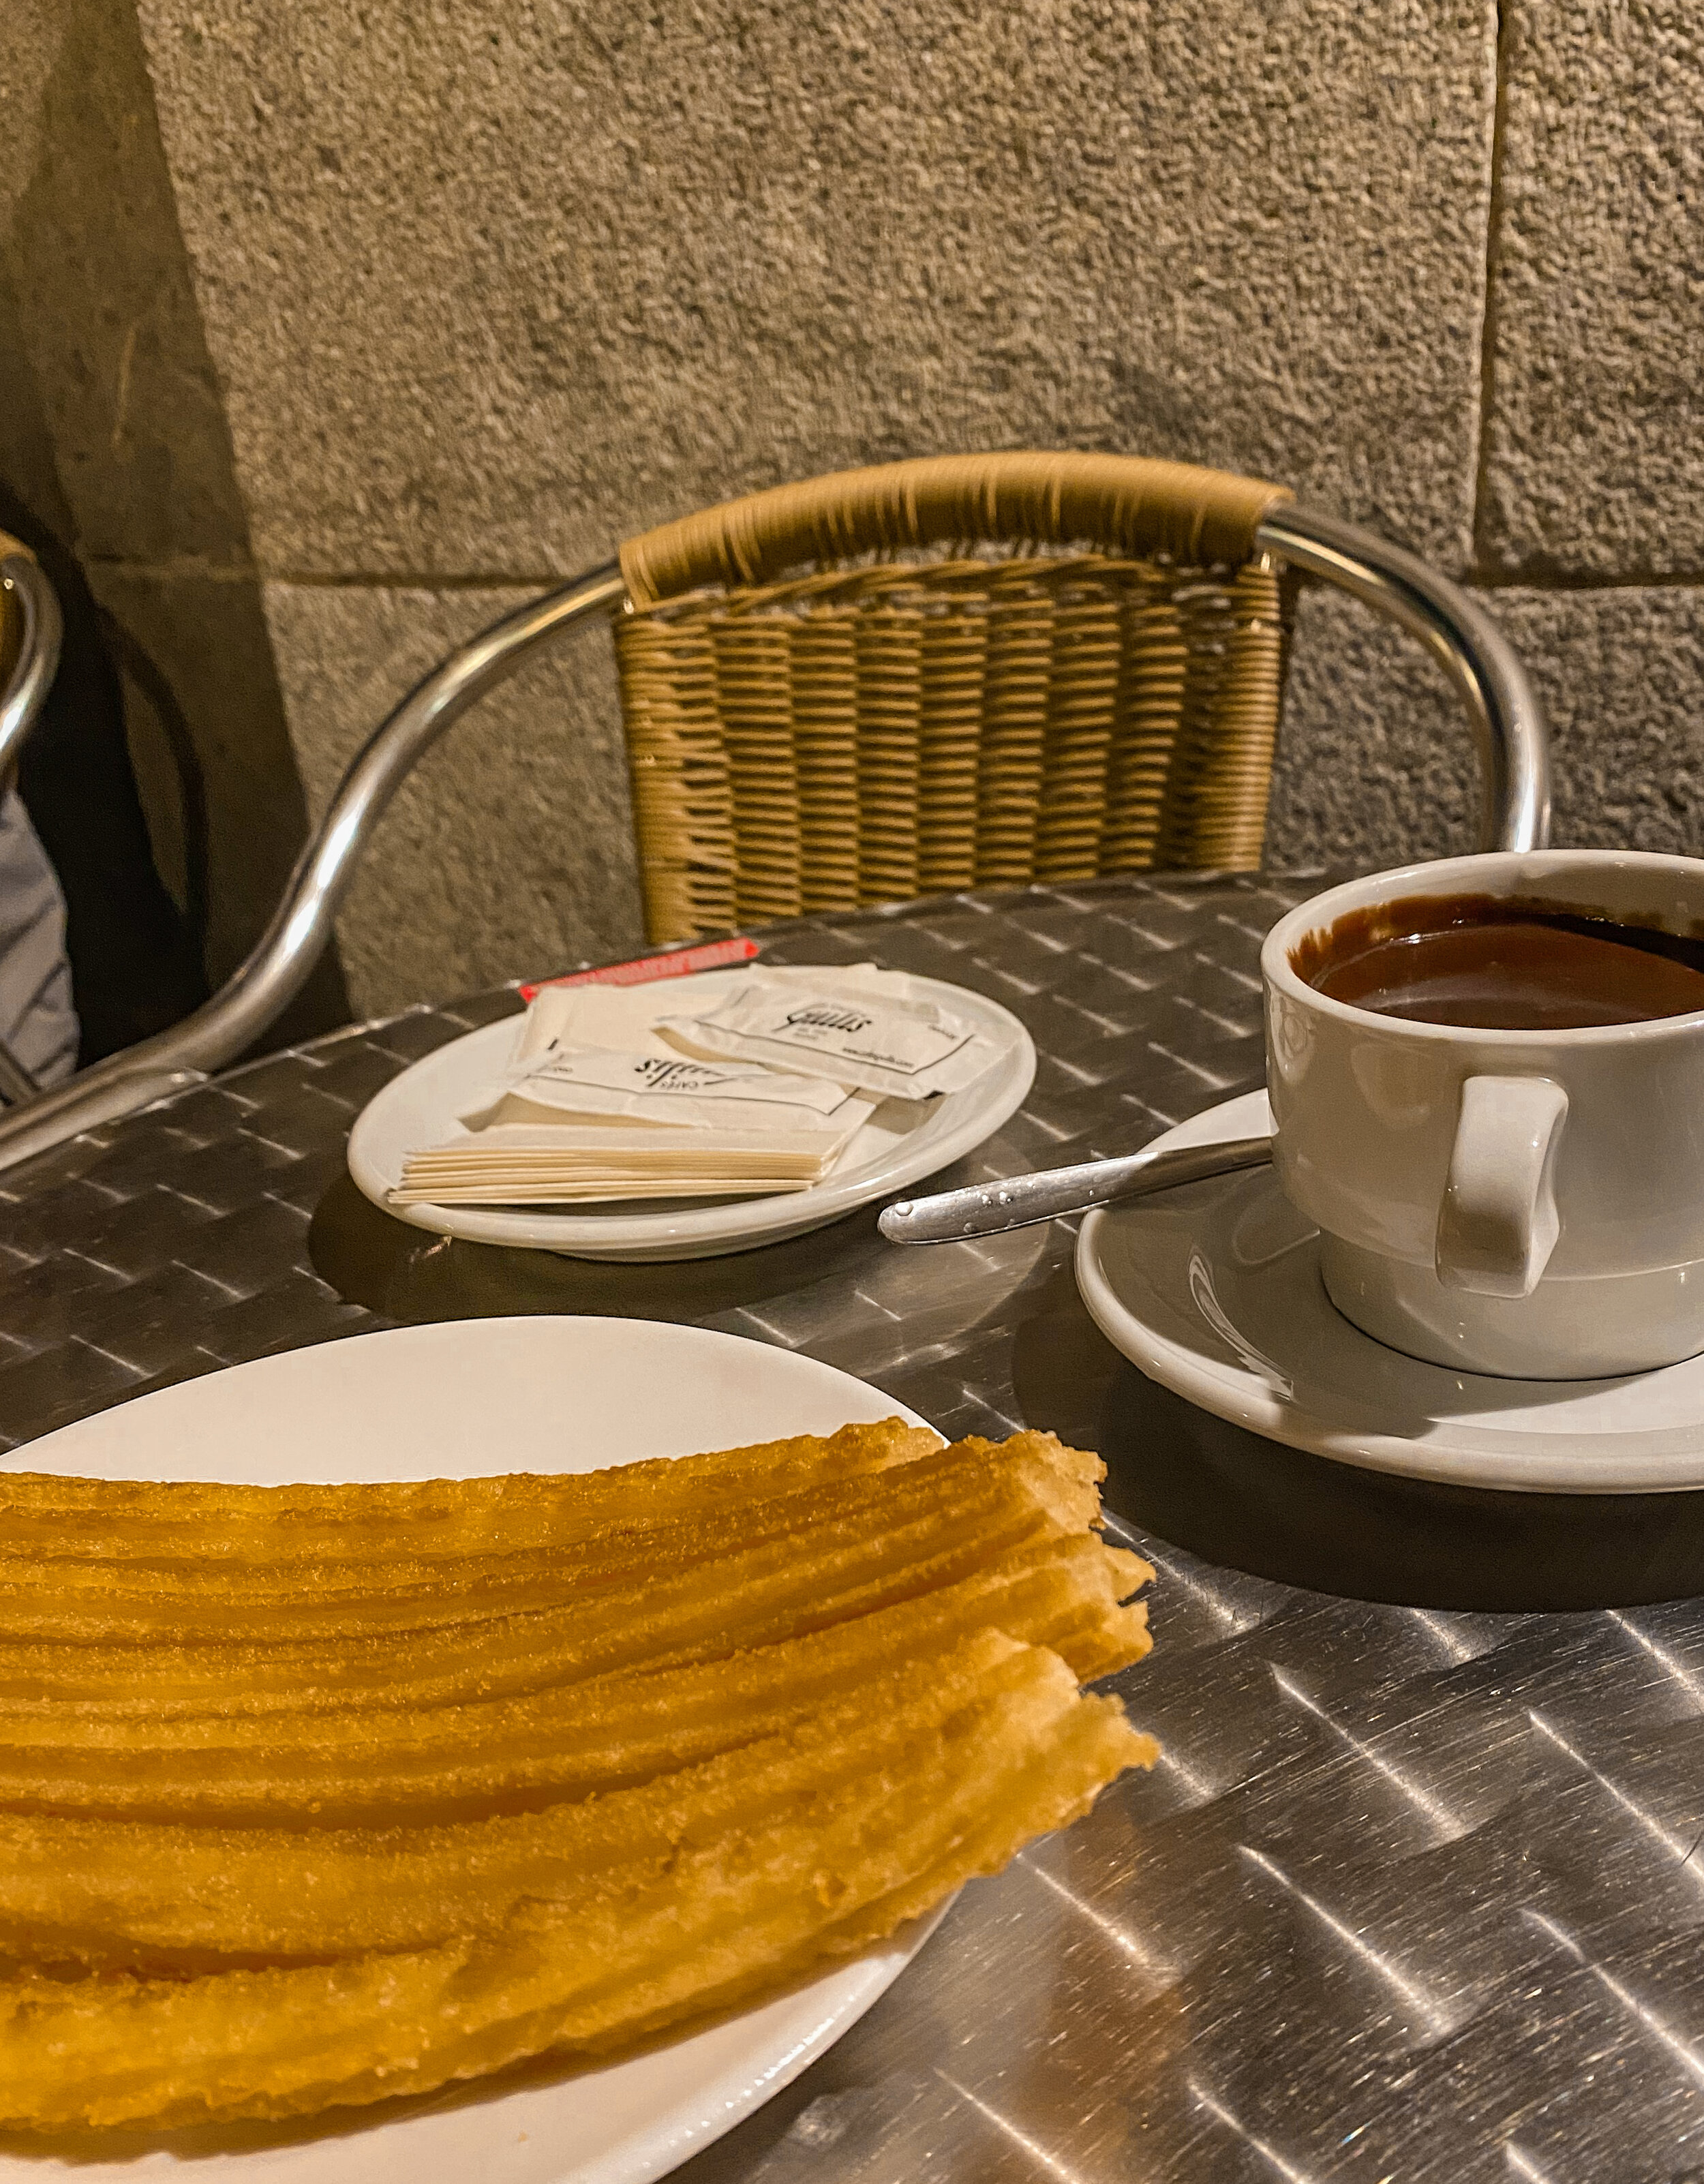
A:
1215	1291
894	1149
459	1401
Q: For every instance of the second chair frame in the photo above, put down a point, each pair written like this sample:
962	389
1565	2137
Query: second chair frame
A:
1504	714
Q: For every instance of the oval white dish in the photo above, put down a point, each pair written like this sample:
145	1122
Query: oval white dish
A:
462	1400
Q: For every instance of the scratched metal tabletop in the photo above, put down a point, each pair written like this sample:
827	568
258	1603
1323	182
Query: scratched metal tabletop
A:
1412	1894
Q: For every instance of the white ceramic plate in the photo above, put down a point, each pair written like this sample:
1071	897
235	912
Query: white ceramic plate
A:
893	1149
1215	1291
459	1401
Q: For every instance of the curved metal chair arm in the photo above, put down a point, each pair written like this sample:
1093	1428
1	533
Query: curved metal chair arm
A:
1505	714
1508	724
38	656
26	693
280	963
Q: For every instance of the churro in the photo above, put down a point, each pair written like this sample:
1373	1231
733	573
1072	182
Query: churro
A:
395	1786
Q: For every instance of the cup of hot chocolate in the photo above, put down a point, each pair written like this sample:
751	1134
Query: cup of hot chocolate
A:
1487	1082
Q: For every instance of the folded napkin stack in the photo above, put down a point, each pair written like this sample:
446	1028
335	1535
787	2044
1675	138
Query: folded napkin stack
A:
736	1084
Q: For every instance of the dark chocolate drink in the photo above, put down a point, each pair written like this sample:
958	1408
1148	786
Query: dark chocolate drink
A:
1502	964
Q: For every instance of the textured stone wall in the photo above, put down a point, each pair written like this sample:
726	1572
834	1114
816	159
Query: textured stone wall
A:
462	294
1587	531
114	445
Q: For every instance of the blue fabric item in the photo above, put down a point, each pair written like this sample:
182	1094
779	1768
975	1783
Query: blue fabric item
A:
38	1020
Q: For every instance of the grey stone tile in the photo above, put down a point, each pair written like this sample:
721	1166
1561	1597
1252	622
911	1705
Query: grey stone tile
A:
1597	429
510	849
114	442
1375	761
1376	767
111	369
487	292
1619	673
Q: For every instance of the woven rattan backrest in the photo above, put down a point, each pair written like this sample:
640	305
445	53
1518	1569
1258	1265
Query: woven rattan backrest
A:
863	734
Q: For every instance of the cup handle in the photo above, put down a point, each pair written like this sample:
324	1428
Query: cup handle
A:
1498	1223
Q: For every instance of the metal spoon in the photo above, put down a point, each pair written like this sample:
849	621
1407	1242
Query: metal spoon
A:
989	1209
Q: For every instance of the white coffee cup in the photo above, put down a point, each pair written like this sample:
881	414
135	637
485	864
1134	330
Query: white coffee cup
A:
1525	1203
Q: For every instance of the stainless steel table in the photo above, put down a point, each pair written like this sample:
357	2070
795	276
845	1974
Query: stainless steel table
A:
1413	1894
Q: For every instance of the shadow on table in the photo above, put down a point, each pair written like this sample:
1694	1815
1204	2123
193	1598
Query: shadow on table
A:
1229	1497
409	1274
1174	1471
1238	1501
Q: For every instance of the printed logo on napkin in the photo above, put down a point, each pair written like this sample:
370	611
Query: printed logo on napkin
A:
675	1092
895	1048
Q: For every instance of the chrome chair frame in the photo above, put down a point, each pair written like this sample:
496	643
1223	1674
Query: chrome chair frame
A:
1507	724
26	692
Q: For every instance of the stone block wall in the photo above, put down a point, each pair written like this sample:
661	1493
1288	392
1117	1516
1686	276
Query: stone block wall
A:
383	316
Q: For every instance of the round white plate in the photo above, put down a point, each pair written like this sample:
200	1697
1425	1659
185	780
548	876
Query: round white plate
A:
894	1149
1215	1291
461	1400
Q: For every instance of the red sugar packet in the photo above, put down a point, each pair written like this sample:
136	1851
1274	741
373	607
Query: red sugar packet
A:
675	963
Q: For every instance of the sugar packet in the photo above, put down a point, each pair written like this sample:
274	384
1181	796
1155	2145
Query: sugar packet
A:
667	1091
879	1043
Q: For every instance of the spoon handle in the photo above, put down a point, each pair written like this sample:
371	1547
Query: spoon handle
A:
989	1209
